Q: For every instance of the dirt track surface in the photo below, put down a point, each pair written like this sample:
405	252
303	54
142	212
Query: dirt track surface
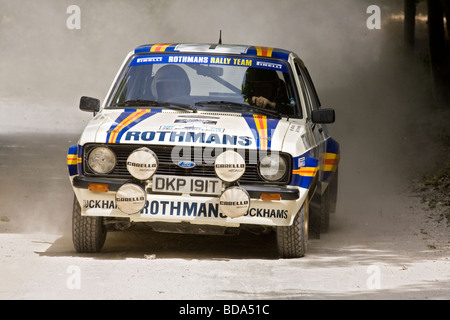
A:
401	252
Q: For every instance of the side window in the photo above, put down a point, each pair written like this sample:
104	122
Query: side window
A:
305	93
312	91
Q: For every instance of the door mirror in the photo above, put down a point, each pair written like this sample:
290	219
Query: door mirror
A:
323	116
89	104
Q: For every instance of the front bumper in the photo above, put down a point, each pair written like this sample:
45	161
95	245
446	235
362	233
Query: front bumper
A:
193	209
254	191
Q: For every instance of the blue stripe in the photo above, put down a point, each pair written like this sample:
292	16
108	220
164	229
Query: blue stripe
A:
332	146
80	155
131	125
276	53
119	119
252	125
146	48
272	124
299	162
73	151
123	116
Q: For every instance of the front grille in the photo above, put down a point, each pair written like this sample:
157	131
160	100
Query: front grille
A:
168	157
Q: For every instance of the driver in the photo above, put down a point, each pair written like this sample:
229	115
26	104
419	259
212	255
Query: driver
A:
263	88
170	84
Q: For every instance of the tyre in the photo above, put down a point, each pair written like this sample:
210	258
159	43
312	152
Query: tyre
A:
88	233
314	218
292	240
334	192
325	211
320	208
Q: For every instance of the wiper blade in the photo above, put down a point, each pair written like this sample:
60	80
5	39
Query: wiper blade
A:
152	103
180	106
221	103
140	103
230	104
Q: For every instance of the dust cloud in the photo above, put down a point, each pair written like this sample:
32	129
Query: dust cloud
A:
377	90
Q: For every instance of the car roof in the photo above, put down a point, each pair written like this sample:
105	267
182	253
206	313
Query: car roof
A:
257	51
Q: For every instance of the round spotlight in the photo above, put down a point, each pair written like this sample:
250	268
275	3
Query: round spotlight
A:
142	163
229	166
131	198
234	202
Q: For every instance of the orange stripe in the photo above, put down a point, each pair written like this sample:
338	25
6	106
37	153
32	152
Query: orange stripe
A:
155	48
72	159
306	171
132	117
330	161
160	47
261	126
264	51
124	123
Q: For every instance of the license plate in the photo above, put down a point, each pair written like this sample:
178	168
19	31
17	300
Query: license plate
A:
177	184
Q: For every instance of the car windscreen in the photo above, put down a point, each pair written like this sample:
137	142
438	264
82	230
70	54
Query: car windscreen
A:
205	82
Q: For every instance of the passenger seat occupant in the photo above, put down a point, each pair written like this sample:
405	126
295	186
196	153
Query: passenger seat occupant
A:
263	88
171	84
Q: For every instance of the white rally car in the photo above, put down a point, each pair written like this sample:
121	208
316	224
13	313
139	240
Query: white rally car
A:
206	138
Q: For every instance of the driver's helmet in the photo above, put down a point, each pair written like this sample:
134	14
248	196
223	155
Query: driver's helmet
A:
170	82
260	82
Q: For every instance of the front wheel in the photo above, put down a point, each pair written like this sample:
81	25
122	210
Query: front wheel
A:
88	233
292	240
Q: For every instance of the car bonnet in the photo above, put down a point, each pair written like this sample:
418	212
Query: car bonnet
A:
163	127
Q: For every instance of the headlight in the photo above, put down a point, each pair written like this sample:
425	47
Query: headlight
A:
102	160
234	202
272	167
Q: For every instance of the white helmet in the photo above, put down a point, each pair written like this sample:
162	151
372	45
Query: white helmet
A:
170	82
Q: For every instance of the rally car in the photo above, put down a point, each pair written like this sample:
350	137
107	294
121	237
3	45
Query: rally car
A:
206	138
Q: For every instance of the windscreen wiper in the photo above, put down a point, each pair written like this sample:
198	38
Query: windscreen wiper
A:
230	104
152	103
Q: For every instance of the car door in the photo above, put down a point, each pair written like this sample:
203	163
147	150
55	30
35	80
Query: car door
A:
318	131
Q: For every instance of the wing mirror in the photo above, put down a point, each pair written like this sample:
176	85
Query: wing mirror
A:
89	104
323	116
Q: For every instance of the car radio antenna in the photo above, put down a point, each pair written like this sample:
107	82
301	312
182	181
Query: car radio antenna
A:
220	37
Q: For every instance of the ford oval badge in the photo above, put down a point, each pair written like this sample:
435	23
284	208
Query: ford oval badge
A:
186	164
